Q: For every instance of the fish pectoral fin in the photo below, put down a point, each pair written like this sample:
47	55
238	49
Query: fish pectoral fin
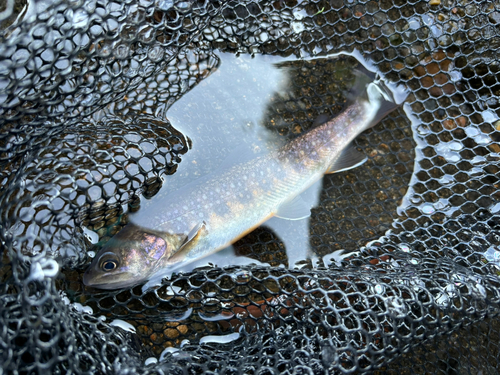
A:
348	159
295	209
193	234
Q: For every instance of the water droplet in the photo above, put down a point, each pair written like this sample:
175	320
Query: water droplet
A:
455	75
183	6
225	315
297	27
155	53
165	4
482	139
494	209
427	209
80	19
414	23
242	277
446	179
242	314
379	289
121	51
405	248
428	19
299	14
166	352
150	361
415	200
492	255
222	339
489	116
123	325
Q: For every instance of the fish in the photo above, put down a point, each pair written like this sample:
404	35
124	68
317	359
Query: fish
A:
214	211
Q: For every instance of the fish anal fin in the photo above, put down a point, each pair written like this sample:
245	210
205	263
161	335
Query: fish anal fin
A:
348	159
295	209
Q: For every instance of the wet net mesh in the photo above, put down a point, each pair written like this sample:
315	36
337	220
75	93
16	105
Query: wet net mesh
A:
85	88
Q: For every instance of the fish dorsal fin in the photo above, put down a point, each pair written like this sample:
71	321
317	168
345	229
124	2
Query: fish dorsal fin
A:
295	209
348	159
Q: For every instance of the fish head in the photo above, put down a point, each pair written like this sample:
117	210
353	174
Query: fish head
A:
128	258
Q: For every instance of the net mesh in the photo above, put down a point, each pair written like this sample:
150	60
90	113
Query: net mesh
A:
85	89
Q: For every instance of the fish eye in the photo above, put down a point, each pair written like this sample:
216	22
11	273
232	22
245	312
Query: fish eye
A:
109	265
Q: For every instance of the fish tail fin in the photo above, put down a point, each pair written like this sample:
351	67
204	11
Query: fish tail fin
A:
389	95
370	87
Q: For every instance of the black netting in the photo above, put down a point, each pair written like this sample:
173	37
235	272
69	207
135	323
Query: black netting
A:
95	102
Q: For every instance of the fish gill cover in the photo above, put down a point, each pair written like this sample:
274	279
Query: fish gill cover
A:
90	132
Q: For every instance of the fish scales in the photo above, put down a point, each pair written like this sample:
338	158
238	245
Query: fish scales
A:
215	210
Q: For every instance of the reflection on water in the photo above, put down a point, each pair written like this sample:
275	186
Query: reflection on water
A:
243	161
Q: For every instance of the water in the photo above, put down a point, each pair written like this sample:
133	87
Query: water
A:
227	118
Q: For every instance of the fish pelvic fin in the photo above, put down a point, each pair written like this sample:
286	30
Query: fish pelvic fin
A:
349	158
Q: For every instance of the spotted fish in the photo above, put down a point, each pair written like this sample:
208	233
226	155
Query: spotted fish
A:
214	211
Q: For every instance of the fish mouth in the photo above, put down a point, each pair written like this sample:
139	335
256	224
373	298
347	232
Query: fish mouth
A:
127	279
